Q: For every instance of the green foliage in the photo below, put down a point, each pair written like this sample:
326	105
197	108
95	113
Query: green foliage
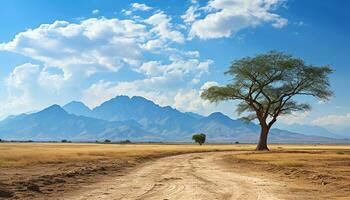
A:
266	86
125	142
199	138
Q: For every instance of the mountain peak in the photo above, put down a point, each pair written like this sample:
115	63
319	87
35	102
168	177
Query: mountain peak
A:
218	115
74	103
139	99
53	109
77	108
120	98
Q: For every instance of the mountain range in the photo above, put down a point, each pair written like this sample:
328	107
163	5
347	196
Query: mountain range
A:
139	119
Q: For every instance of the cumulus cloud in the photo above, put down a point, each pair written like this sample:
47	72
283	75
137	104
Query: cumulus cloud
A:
337	120
136	7
140	6
224	18
94	44
25	84
21	74
162	27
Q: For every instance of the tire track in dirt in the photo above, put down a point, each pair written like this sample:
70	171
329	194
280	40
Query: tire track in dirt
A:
189	176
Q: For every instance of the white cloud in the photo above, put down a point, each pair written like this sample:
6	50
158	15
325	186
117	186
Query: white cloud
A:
337	120
190	14
294	118
136	7
90	46
154	68
21	74
25	84
95	12
127	12
163	28
140	6
30	77
225	18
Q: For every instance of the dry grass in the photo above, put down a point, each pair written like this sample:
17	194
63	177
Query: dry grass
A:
312	159
28	154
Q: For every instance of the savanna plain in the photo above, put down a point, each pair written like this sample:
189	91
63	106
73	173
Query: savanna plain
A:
173	171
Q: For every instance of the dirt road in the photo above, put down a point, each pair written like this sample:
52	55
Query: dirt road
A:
189	176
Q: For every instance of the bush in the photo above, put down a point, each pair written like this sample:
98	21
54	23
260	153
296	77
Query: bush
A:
125	142
199	138
107	141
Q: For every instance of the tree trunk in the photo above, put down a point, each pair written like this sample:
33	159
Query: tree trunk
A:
262	145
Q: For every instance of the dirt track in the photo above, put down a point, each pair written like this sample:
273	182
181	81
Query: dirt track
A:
189	176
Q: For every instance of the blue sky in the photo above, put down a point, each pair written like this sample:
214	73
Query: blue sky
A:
59	51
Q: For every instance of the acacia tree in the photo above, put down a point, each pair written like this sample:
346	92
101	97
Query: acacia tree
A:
266	86
199	138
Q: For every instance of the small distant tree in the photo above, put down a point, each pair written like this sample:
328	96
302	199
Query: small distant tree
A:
64	141
266	86
199	138
125	142
236	142
107	141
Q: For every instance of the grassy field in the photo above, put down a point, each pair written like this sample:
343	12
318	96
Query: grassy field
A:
28	154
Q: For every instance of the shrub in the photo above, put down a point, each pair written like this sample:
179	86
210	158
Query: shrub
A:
125	142
199	138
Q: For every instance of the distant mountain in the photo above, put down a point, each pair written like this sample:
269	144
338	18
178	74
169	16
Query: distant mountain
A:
165	121
54	123
194	115
77	108
312	130
138	119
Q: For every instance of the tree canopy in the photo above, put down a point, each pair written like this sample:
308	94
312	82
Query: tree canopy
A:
199	138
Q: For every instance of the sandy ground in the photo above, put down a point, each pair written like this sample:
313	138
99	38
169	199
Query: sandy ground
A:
189	176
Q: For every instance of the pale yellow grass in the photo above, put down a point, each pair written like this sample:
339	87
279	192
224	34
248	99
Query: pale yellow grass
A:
27	154
295	159
333	160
